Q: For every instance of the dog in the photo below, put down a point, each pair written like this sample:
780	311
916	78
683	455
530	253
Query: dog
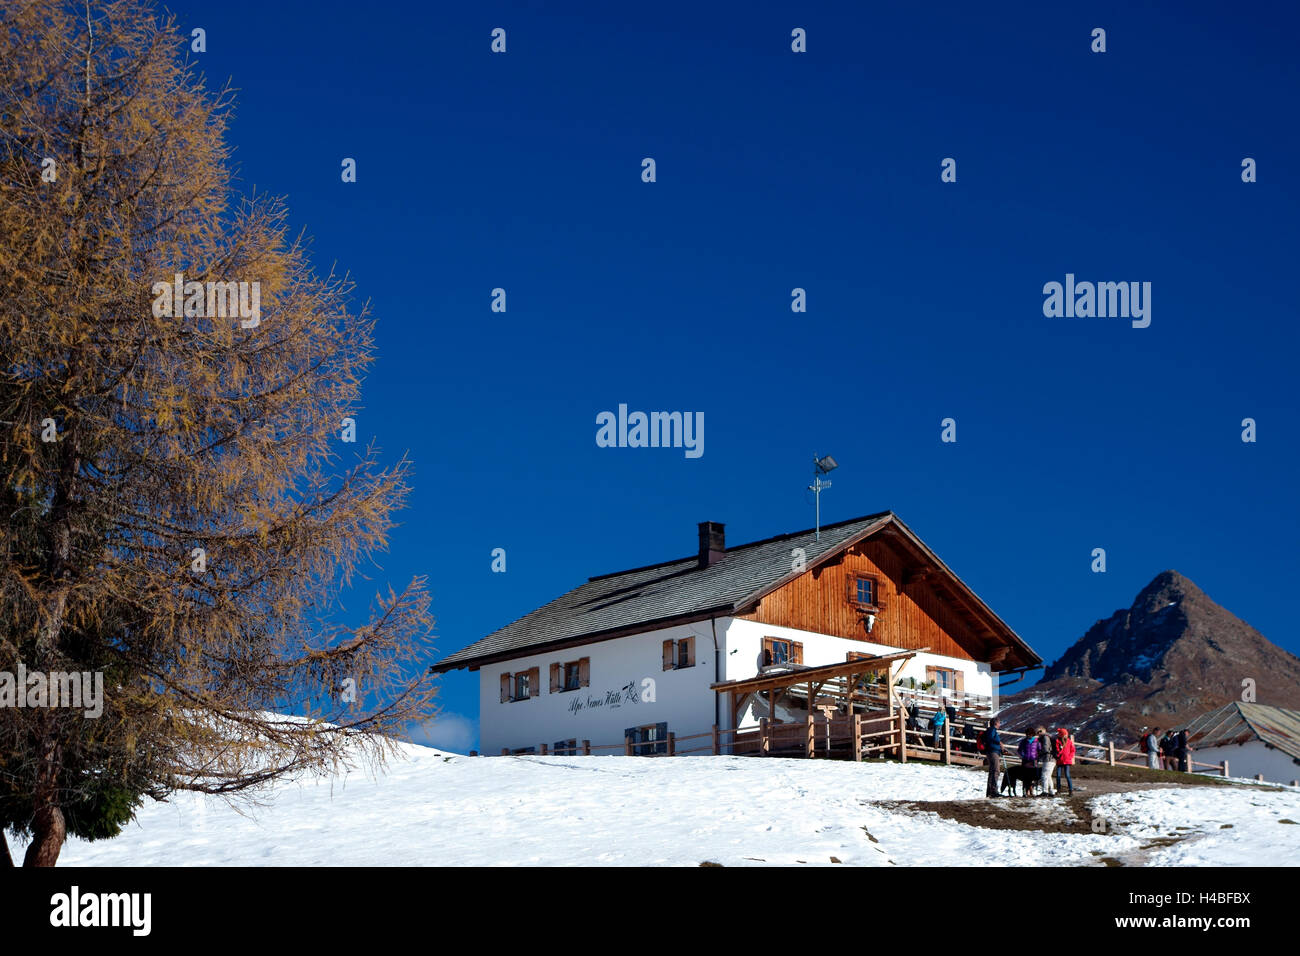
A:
1027	777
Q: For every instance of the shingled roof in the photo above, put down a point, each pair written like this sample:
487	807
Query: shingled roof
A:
1240	723
679	592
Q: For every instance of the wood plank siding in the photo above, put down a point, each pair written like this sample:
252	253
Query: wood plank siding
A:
911	615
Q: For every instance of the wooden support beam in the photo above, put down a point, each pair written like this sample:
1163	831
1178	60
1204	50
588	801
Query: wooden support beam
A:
764	745
672	744
947	741
810	744
717	744
586	748
901	723
627	746
1110	756
855	723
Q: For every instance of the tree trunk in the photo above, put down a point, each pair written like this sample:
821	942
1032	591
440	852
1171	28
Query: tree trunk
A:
48	833
6	861
49	829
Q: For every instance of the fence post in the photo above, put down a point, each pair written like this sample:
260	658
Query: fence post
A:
586	748
810	745
543	750
627	746
716	748
1110	747
1225	768
857	737
947	741
763	742
505	751
672	744
902	736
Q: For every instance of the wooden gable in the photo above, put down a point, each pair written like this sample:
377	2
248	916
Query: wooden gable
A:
916	604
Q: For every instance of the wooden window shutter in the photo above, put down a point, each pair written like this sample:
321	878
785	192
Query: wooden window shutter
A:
668	655
796	652
505	688
534	681
690	652
852	594
959	684
555	678
584	672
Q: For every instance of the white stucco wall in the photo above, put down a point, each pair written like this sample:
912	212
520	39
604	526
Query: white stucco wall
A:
1246	760
601	711
682	698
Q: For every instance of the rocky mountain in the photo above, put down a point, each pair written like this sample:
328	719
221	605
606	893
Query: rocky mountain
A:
1172	655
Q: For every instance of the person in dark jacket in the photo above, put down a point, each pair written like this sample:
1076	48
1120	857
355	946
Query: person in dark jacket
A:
913	714
1181	748
993	752
1028	751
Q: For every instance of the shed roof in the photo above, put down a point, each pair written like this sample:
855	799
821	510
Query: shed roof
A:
1239	723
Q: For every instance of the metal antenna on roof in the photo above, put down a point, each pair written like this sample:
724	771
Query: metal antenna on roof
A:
821	466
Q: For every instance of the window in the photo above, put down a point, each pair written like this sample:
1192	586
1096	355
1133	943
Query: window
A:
780	652
947	680
649	739
571	675
679	653
520	685
864	591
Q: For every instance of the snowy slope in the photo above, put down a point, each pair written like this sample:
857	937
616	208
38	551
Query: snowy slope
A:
434	808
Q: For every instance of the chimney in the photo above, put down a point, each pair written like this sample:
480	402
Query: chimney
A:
713	542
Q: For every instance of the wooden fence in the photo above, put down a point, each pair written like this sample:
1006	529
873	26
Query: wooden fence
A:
854	737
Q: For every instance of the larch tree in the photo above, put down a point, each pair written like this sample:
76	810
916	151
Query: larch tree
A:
178	510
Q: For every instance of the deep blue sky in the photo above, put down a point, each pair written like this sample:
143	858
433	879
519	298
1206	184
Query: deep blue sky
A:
818	170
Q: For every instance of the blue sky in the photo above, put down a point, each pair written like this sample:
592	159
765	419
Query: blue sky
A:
821	171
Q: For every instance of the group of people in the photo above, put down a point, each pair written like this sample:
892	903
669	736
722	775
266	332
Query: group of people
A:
1168	752
1052	755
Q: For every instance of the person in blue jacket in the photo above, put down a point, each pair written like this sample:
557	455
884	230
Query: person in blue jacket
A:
937	722
992	743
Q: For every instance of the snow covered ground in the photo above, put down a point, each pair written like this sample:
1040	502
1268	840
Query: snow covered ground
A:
436	808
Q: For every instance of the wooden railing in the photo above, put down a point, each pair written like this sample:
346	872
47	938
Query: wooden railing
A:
854	737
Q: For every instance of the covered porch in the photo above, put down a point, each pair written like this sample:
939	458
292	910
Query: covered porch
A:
841	711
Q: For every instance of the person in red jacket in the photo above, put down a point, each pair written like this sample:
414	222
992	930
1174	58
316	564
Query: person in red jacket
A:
1063	748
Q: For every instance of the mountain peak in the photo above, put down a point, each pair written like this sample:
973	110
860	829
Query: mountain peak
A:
1172	654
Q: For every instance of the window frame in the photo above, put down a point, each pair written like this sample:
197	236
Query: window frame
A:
795	652
855	577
